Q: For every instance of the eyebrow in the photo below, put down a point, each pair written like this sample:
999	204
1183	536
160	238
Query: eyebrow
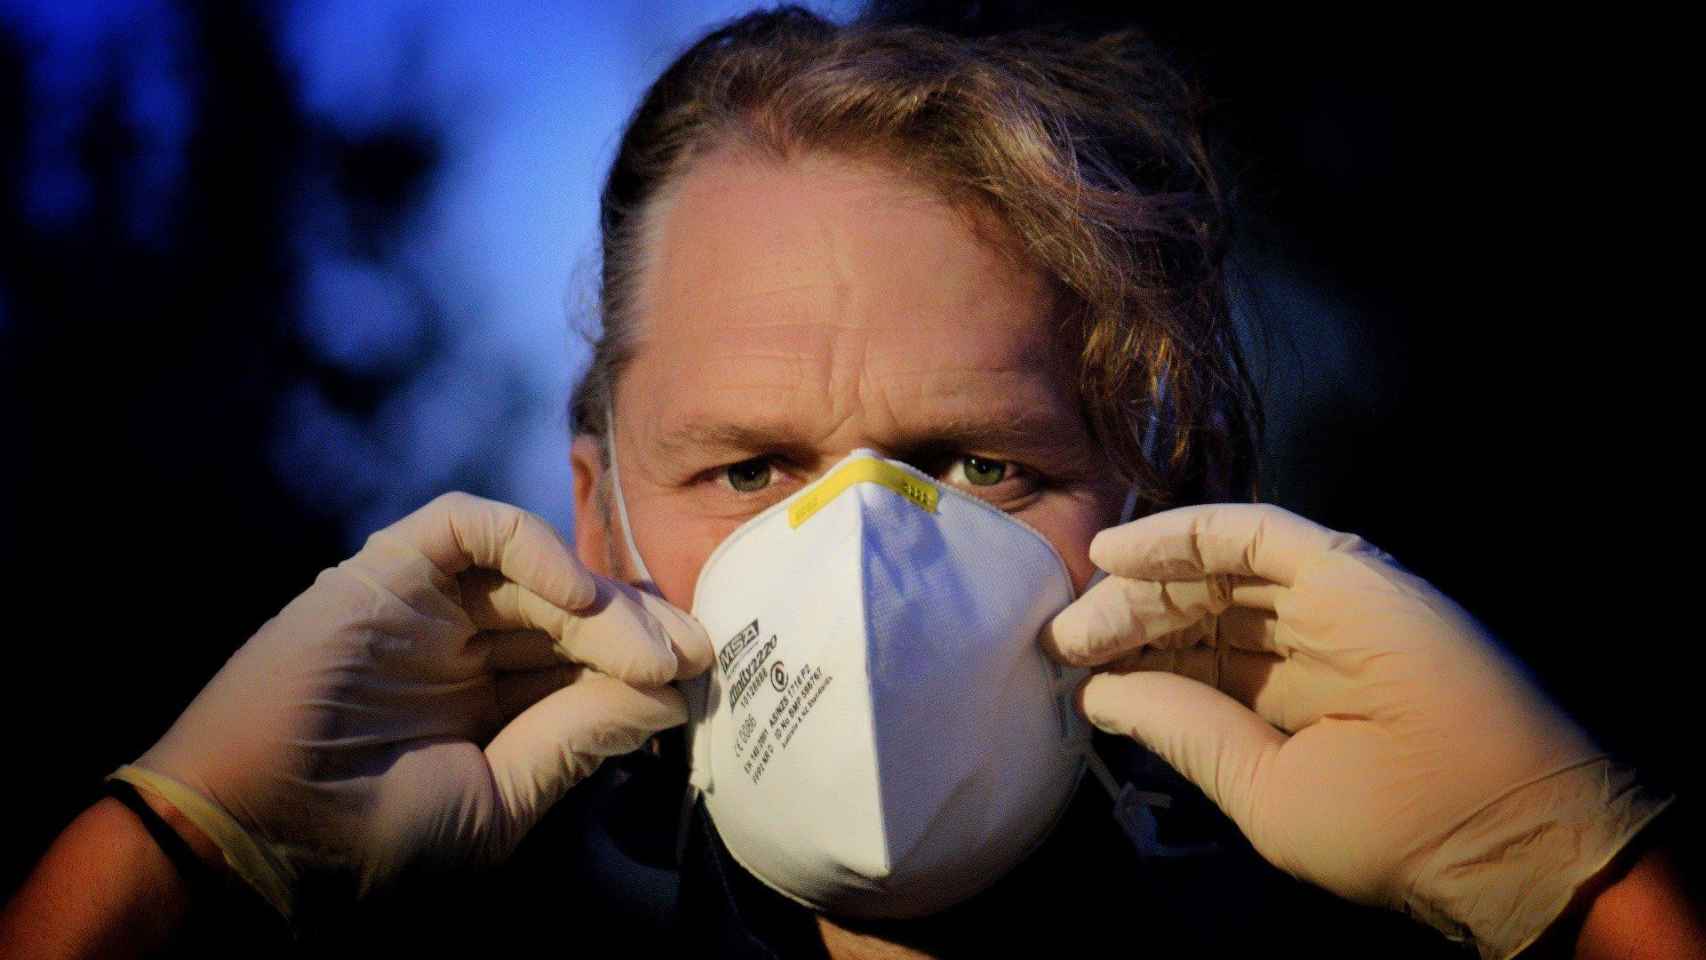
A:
1032	435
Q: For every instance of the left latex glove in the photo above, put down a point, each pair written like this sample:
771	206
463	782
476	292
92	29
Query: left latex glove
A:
425	701
1358	726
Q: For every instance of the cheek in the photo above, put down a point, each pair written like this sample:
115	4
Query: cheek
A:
1071	524
1074	547
675	545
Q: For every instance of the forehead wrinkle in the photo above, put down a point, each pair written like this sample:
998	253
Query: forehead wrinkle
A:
836	360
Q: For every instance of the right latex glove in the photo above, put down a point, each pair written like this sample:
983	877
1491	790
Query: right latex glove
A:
1359	727
426	700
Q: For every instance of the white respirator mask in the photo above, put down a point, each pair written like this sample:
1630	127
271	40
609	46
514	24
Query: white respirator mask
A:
881	734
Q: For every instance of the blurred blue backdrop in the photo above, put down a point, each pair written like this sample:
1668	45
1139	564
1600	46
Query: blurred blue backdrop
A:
441	229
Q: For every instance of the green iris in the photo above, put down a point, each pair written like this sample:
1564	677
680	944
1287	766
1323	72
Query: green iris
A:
749	476
984	473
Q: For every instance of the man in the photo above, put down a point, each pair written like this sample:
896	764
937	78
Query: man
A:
979	283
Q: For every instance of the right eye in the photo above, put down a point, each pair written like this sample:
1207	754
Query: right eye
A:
748	476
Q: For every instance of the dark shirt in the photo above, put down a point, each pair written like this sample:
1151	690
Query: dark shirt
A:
1084	892
601	876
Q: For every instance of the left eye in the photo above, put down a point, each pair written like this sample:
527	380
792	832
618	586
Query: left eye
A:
749	476
978	471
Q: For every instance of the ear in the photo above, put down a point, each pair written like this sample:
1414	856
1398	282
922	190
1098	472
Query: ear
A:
592	527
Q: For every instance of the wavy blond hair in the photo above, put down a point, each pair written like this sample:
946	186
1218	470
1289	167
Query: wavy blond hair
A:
1091	152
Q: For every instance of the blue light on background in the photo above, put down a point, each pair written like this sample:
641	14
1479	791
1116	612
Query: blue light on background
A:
530	99
496	264
472	304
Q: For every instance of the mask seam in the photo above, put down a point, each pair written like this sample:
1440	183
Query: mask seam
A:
870	691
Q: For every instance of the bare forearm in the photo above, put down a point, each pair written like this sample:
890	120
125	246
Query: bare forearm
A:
103	889
1645	913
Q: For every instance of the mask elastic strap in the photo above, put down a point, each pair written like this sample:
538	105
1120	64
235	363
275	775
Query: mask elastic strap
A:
1148	443
1133	808
1151	438
634	557
694	690
1133	811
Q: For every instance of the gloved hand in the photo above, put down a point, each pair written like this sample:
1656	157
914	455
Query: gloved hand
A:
424	701
1359	727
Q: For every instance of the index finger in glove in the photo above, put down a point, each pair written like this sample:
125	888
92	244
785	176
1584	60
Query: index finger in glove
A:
623	632
458	530
1120	615
1240	539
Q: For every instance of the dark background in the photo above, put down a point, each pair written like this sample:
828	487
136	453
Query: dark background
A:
1458	231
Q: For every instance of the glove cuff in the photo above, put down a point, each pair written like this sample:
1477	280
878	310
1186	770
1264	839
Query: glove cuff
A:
1508	872
249	859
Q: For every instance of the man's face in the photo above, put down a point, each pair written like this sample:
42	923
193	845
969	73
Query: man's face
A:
792	313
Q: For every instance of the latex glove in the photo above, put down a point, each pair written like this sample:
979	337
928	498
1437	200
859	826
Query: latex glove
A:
424	701
1359	727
